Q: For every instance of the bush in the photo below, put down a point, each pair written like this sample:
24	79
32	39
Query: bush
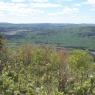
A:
44	71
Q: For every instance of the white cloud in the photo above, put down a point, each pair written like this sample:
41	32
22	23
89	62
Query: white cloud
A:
21	9
62	1
40	1
32	1
78	4
25	10
45	5
19	13
92	2
30	5
66	11
66	15
18	1
39	11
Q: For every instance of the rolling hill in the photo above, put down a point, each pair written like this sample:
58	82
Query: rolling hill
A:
62	35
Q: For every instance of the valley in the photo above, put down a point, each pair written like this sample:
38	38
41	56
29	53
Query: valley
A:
80	36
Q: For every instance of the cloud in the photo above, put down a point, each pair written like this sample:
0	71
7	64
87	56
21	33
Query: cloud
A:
66	11
21	9
33	11
40	1
32	1
25	10
62	1
19	12
92	2
18	1
45	5
78	4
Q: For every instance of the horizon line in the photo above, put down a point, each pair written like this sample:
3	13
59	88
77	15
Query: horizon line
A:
44	23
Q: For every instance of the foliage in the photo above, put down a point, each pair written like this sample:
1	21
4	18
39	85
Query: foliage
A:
66	35
30	70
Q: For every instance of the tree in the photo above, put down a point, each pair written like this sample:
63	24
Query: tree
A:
80	63
2	51
63	71
80	60
1	42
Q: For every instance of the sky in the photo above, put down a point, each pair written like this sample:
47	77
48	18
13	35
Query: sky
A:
47	11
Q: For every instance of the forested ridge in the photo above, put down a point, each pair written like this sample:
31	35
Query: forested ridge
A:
42	70
63	35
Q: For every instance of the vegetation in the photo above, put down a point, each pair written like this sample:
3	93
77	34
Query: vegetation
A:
33	70
62	35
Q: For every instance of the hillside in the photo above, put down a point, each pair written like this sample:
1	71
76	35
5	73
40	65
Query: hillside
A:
63	35
44	70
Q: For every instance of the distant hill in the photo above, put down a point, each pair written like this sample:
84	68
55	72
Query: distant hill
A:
63	35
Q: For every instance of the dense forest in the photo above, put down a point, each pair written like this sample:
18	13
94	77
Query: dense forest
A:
42	70
61	35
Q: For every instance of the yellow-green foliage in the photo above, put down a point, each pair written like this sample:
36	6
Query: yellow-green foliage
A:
30	70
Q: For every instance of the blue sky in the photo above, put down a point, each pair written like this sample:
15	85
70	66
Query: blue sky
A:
47	11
